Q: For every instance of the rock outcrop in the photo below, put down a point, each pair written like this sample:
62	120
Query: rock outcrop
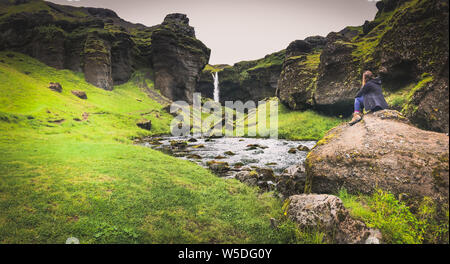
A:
177	58
297	81
414	48
106	48
407	44
382	151
97	66
88	40
328	214
338	79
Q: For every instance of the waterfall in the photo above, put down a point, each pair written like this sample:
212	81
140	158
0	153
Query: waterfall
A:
216	86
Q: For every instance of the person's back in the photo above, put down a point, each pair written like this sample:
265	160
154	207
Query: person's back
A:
370	97
373	95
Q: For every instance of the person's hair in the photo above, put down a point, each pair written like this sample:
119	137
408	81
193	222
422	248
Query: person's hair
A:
367	76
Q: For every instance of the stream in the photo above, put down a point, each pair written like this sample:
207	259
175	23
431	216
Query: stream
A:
227	156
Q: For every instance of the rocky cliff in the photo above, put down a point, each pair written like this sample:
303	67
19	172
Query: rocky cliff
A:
177	58
245	80
406	44
297	81
103	46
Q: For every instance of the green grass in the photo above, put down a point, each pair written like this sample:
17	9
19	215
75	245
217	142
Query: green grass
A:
117	193
311	62
304	125
276	58
366	45
398	225
298	125
60	177
35	6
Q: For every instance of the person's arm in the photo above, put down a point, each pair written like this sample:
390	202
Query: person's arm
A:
365	89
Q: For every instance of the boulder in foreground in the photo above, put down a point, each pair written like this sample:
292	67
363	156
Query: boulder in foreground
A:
327	213
382	151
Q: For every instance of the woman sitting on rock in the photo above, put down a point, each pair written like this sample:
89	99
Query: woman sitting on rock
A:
370	97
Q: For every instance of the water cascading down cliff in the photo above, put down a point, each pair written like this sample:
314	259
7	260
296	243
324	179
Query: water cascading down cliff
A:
216	86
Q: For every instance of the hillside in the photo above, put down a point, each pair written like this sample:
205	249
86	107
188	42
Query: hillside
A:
68	168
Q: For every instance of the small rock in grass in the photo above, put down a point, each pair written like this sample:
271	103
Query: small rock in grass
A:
55	87
146	124
79	94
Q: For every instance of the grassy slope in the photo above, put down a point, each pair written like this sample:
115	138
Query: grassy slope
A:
297	125
382	210
86	179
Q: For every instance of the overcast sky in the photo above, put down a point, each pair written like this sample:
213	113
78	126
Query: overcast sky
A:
237	30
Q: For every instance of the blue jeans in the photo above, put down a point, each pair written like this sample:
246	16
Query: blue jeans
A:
359	104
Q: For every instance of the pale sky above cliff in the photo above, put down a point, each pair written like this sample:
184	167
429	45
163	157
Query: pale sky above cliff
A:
237	30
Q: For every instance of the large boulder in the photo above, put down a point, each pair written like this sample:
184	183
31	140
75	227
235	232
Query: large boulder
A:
382	151
328	214
177	58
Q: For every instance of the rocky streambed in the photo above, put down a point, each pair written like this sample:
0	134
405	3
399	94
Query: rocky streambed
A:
267	163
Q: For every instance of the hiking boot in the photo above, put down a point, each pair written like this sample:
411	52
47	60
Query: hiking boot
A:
356	118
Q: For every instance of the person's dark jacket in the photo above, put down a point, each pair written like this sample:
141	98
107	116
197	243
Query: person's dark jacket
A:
373	95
